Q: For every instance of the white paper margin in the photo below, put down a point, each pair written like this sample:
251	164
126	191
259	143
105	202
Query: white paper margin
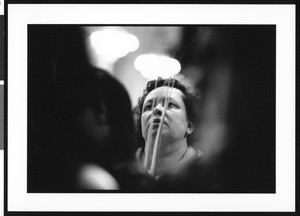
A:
283	16
1	7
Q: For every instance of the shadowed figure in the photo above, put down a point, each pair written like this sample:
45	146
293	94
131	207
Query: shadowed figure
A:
80	122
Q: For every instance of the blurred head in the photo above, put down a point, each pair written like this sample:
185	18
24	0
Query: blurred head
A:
98	120
180	118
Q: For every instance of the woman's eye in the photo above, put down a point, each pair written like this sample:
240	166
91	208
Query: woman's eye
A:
171	105
147	107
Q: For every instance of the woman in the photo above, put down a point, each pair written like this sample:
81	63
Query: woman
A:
167	119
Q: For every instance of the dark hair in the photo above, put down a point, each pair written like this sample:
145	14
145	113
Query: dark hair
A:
97	89
191	99
66	144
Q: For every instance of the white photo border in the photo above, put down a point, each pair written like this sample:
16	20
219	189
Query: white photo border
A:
1	7
20	15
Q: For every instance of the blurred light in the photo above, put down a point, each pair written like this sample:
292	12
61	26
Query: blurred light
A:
92	177
113	43
152	66
108	45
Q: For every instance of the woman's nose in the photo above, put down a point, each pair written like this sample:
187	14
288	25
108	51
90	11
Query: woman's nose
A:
158	109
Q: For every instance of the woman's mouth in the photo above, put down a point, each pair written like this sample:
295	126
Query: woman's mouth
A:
156	121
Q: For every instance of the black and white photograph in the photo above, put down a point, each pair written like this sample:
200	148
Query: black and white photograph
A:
114	110
98	117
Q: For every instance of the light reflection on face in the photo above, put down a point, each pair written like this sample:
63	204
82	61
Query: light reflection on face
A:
175	124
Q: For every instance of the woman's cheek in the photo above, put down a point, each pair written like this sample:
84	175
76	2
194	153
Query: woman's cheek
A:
143	125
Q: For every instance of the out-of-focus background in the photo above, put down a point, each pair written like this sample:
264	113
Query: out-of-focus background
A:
232	66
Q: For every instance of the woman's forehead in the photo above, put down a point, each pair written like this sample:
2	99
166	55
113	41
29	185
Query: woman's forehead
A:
163	92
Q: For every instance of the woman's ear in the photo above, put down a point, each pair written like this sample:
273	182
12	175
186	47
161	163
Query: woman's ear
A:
190	127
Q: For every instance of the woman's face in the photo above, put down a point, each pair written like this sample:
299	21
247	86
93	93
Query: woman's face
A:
176	125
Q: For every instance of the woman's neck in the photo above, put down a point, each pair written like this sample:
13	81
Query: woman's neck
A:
170	155
173	149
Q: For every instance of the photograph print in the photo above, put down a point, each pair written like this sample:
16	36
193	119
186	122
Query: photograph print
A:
117	110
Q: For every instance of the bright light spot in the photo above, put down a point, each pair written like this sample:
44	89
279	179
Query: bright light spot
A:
108	45
92	177
152	66
113	43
